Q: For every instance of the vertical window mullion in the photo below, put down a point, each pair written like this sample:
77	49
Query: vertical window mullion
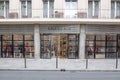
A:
117	46
1	46
94	46
26	7
23	47
48	8
4	9
93	13
106	46
12	46
115	8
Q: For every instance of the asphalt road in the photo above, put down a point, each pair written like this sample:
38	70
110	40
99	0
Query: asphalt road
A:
58	75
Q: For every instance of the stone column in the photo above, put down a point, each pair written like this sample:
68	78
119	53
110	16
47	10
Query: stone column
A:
37	41
82	42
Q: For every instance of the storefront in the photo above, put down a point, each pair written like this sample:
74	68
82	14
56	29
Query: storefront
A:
60	41
16	41
102	41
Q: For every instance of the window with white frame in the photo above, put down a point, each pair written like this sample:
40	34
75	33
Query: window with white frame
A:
26	10
71	8
115	9
4	9
93	8
48	8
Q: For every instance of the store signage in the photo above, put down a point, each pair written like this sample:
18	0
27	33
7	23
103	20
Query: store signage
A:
58	28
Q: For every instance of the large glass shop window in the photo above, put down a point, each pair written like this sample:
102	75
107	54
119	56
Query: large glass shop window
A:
61	45
73	46
29	46
101	46
7	46
45	46
16	46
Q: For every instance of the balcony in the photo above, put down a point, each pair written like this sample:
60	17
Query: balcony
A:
62	14
72	14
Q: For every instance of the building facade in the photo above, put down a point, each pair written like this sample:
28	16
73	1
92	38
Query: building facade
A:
60	34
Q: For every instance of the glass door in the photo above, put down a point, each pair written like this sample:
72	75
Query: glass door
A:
45	46
63	46
55	48
59	45
73	46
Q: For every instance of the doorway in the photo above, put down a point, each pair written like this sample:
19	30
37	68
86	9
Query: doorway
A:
59	45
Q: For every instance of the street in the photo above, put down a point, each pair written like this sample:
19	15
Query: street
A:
58	75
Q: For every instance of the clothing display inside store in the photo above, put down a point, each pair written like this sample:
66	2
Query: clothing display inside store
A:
17	46
59	45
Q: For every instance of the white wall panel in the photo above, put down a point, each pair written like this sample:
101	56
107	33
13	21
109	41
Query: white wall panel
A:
102	29
16	29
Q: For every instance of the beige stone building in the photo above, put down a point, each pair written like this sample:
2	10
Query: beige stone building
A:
60	34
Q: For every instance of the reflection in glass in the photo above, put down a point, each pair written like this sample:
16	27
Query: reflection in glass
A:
73	46
62	46
29	46
29	37
7	37
100	46
71	9
18	37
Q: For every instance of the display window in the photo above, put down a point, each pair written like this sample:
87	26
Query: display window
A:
101	46
59	45
17	46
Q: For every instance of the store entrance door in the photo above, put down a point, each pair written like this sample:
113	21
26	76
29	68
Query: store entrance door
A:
53	45
59	45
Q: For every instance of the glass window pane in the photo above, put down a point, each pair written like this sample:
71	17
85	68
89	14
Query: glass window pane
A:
99	49
29	43
51	9
29	48
111	55
18	43
72	37
23	8
7	37
71	9
96	11
100	37
118	9
45	9
90	9
89	37
112	9
111	37
111	49
29	9
100	55
7	49
89	51
29	37
18	37
111	43
100	43
1	8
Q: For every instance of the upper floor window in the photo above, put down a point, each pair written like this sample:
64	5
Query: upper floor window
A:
4	9
48	8
93	8
71	8
115	9
26	10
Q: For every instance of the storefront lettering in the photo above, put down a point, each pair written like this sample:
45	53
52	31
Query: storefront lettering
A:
59	28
